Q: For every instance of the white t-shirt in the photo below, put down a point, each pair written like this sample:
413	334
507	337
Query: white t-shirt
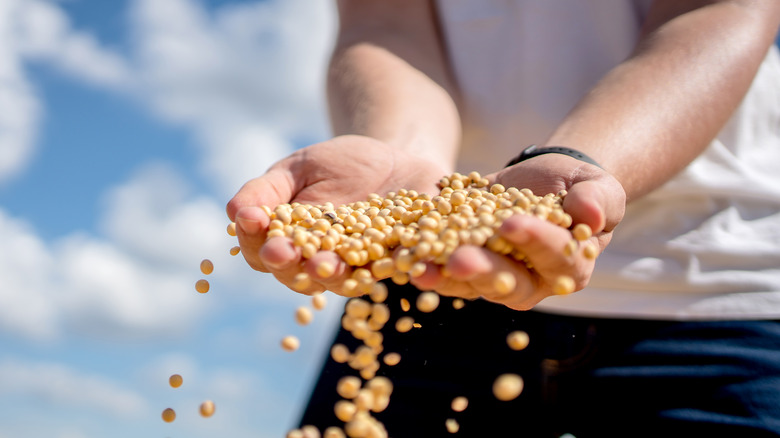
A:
706	245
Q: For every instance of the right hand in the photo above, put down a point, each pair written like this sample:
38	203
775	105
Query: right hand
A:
342	170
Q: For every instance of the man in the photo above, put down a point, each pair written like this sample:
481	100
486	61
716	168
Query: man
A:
678	103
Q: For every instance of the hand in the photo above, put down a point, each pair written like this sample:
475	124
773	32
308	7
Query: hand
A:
341	170
594	198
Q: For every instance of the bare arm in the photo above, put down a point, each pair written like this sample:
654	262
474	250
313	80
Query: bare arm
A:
397	127
655	112
643	122
389	78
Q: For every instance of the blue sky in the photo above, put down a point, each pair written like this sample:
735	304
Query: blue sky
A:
125	127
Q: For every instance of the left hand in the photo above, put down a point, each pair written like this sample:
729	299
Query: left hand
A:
594	198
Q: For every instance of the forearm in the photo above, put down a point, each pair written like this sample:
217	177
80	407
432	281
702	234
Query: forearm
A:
388	79
654	113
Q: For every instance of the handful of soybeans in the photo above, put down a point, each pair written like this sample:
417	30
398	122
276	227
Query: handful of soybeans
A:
397	235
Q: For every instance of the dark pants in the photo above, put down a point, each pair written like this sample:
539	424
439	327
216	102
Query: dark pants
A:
583	376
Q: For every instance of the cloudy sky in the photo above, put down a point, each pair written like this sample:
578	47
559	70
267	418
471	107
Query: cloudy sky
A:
125	126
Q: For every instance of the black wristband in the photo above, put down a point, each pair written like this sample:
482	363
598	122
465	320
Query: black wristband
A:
532	151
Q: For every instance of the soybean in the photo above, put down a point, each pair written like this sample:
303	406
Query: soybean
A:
427	302
507	387
319	301
206	267
459	404
175	381
564	285
392	359
168	415
452	425
303	315
504	283
207	408
404	324
290	343
517	340
397	237
202	286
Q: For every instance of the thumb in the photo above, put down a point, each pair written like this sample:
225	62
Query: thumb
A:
596	203
271	189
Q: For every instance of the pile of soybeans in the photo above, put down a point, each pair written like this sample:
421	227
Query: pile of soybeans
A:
396	237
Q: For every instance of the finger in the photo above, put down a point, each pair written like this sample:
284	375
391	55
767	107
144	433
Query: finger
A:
488	276
430	279
518	301
274	188
279	255
458	289
473	274
251	226
468	262
508	282
289	277
543	245
328	269
251	221
596	203
540	241
434	279
283	260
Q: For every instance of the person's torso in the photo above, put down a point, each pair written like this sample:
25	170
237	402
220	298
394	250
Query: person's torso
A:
704	245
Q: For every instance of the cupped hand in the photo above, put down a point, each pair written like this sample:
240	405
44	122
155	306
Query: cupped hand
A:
594	197
342	170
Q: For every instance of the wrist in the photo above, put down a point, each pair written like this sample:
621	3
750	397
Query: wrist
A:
534	151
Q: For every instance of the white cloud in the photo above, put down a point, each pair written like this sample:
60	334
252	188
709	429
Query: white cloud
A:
169	363
26	267
139	282
19	116
247	79
19	107
43	32
108	293
155	217
317	335
248	151
86	285
35	30
250	399
58	385
260	62
233	384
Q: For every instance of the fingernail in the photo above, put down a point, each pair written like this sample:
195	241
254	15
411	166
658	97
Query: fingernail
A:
247	219
466	263
277	256
514	231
